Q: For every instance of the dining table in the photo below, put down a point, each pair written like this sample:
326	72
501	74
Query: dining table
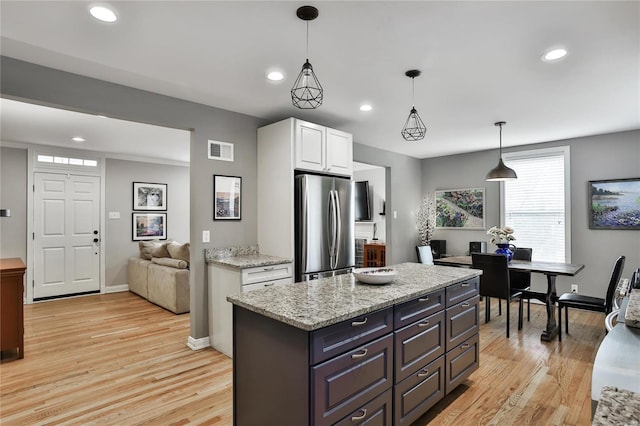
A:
550	269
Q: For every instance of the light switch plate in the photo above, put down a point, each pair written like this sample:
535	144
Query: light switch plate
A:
114	215
205	236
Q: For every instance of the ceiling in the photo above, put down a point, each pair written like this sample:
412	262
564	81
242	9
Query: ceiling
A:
480	62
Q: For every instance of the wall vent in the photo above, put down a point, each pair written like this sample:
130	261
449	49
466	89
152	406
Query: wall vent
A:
220	151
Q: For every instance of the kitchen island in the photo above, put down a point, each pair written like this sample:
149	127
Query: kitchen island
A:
335	350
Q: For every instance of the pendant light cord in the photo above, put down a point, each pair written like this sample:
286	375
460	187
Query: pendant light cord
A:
413	92
307	41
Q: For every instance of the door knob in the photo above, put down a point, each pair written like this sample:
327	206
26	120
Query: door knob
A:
95	240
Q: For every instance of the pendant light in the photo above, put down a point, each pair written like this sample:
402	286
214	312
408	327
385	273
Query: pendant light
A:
414	128
501	172
307	91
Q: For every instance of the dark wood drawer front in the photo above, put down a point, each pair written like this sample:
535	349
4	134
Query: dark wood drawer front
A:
418	345
419	392
462	322
378	412
461	362
339	338
343	384
456	293
417	309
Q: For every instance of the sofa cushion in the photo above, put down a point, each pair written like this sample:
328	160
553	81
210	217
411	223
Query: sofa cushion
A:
153	248
173	263
179	251
169	288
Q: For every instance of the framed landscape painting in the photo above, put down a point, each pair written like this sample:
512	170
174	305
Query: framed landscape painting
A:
149	226
149	196
614	204
460	209
227	196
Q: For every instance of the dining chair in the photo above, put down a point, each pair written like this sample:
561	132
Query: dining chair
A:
521	280
589	303
495	282
425	255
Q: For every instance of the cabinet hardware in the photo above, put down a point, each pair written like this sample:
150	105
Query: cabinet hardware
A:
360	355
423	373
464	285
464	346
424	299
465	305
423	324
268	269
364	414
269	284
357	323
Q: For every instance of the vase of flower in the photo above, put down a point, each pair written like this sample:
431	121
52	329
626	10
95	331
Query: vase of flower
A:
501	237
505	249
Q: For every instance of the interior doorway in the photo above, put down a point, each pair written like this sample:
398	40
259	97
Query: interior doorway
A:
373	229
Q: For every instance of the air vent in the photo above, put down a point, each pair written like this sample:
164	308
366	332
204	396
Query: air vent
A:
220	151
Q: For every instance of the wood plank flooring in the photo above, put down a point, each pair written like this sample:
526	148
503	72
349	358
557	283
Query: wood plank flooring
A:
117	359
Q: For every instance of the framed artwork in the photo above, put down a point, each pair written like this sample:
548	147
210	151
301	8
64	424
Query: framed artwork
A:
227	197
149	196
149	226
614	204
460	209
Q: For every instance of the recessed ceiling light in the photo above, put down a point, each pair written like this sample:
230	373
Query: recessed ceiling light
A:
275	75
365	107
103	14
554	55
77	139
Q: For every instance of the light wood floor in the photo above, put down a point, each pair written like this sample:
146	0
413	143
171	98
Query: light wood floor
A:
117	359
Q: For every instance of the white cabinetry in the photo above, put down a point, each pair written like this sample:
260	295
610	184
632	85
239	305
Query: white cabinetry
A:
225	280
283	147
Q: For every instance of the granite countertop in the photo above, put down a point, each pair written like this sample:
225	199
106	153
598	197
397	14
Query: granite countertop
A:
319	303
632	314
242	257
617	407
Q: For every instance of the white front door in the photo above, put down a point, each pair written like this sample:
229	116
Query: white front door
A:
66	234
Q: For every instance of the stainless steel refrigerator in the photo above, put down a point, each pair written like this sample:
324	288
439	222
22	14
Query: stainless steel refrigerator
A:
325	244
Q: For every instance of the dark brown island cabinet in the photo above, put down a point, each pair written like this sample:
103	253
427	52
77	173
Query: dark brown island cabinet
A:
387	367
11	309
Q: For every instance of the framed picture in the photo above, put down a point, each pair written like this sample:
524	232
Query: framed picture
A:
149	196
149	226
460	209
227	196
614	204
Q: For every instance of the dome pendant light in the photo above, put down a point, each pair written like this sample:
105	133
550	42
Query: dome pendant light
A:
501	172
307	91
414	128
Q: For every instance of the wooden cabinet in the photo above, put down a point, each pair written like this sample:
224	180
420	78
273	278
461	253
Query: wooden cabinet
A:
374	255
225	280
321	149
11	308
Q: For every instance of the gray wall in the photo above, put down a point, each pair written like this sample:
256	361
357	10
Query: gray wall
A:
609	156
13	195
46	86
403	195
120	175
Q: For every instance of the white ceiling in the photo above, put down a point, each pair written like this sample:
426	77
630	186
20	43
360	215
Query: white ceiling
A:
480	63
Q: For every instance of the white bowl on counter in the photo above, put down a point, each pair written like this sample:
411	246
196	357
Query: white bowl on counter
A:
375	275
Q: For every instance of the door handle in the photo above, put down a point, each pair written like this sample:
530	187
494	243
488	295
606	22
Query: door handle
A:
95	240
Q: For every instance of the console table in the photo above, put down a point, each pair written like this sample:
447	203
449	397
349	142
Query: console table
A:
11	308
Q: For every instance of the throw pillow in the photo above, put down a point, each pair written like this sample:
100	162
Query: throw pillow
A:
179	251
173	263
149	249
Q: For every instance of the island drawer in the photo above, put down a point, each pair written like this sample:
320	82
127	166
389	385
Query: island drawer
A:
336	339
418	344
379	411
461	362
343	384
418	308
458	292
419	392
462	322
266	273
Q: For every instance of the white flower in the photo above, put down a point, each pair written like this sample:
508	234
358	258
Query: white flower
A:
501	235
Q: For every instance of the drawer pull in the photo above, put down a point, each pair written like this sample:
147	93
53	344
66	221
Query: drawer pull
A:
465	305
267	269
360	355
423	299
424	323
357	323
464	285
269	284
464	346
423	373
364	414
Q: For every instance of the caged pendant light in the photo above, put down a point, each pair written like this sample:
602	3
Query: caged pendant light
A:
501	172
307	92
414	128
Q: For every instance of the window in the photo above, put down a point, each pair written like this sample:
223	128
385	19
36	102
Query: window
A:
65	160
537	204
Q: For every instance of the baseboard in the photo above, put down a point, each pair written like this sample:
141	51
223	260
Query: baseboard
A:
197	344
116	288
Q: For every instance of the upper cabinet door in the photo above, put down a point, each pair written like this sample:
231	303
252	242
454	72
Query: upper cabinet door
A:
310	146
339	152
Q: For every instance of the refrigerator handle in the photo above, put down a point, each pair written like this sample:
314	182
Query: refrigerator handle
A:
338	228
331	219
305	223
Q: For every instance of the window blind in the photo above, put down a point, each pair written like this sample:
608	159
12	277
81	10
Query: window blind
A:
534	204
